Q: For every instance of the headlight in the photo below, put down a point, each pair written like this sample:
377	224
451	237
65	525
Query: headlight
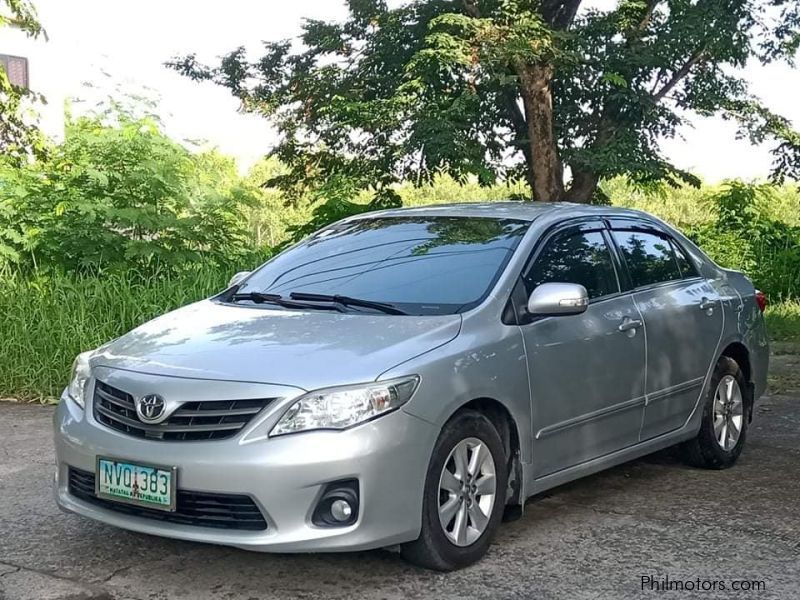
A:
80	375
343	407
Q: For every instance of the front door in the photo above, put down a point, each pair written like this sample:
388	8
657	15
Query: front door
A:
586	371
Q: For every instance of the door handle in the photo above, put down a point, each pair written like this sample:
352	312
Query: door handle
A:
707	306
630	326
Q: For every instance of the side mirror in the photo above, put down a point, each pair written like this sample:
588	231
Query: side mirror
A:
558	299
238	278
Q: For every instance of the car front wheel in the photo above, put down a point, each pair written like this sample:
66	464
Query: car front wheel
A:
464	495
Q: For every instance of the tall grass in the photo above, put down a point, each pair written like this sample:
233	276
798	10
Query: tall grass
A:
687	207
47	320
783	321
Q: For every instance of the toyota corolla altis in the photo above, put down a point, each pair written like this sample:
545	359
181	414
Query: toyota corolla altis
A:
401	378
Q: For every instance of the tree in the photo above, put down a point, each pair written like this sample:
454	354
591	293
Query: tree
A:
19	136
547	90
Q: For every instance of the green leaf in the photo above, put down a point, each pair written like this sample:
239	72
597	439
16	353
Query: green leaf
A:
615	79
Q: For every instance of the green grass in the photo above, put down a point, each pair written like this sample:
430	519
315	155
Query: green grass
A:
47	321
687	207
783	321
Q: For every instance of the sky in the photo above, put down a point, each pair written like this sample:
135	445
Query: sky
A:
130	41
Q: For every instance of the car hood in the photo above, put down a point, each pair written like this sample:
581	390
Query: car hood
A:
309	350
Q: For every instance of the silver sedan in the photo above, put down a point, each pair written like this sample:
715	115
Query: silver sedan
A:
401	379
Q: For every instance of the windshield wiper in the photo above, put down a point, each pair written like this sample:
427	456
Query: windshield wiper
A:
261	298
389	309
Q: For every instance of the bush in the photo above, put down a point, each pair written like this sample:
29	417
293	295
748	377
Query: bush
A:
121	224
743	235
120	196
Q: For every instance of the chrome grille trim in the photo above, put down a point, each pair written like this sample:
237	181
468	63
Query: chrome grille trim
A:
192	421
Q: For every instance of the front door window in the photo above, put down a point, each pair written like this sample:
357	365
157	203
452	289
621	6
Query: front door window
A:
576	257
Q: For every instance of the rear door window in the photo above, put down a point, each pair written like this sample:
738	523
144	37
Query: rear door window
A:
650	257
686	266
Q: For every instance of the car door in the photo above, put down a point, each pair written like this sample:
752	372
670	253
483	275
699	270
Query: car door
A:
586	371
682	314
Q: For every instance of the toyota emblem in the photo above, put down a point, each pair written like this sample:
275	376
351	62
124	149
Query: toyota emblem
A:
151	408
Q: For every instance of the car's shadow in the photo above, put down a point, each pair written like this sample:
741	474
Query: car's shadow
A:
637	469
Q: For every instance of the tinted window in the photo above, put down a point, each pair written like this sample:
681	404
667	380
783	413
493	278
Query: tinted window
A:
581	258
422	265
686	266
649	257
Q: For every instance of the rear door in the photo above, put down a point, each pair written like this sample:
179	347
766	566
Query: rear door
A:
586	375
682	315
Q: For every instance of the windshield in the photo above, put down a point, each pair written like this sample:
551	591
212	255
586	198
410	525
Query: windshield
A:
421	265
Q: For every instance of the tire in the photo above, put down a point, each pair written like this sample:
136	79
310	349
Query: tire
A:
706	451
449	547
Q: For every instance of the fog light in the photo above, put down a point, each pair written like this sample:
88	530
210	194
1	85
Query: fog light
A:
338	505
341	510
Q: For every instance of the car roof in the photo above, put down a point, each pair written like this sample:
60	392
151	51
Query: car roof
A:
520	210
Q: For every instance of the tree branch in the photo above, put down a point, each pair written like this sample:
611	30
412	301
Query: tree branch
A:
560	13
646	18
697	57
511	104
472	8
520	125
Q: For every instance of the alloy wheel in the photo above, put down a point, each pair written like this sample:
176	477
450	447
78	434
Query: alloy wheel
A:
467	490
728	413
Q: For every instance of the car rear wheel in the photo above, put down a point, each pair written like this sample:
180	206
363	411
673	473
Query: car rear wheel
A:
725	419
464	495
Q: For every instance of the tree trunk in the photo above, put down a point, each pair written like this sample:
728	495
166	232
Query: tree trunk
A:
545	169
584	180
583	186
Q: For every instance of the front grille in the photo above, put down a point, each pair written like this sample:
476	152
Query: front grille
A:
201	509
193	421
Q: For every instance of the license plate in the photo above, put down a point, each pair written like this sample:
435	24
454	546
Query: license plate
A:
134	483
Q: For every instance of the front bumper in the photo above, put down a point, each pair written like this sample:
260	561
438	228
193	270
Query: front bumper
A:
284	476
